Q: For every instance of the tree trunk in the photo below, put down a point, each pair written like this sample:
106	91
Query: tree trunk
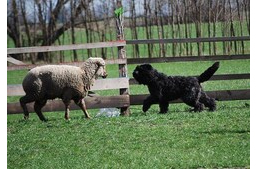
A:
72	4
232	31
13	29
147	27
241	27
133	27
209	23
186	26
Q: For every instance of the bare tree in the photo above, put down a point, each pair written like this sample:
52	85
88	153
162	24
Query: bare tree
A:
160	28
147	13
186	6
54	21
171	13
47	14
85	17
13	25
72	10
197	13
240	23
133	26
246	5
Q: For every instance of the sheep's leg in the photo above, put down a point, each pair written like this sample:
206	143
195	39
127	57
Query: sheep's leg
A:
82	105
67	107
23	101
38	106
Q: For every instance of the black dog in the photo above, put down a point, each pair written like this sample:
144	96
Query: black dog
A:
165	88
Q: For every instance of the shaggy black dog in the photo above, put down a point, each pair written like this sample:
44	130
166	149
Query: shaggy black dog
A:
165	88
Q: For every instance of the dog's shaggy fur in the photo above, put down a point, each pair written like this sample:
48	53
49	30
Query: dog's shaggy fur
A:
165	88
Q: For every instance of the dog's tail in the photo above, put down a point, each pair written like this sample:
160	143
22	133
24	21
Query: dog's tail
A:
206	75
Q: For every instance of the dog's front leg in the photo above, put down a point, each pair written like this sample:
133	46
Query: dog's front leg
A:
148	102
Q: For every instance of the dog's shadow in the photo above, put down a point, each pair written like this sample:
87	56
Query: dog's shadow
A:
225	131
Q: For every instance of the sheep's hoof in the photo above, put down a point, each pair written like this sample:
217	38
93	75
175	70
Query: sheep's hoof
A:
67	119
26	117
44	120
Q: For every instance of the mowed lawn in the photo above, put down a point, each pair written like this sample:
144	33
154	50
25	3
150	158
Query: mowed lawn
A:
178	139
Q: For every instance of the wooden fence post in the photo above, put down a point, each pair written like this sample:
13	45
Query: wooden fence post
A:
121	50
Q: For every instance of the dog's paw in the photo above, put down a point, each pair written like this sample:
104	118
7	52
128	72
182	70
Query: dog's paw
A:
213	108
145	108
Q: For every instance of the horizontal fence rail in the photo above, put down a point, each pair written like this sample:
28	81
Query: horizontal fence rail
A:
120	43
65	47
148	60
91	103
189	40
100	84
108	61
132	81
221	95
123	101
117	83
187	58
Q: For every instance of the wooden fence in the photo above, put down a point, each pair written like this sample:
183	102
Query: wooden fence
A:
123	101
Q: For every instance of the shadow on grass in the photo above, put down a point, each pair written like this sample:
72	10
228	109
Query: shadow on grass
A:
225	131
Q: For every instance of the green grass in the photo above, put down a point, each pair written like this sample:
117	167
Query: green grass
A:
178	139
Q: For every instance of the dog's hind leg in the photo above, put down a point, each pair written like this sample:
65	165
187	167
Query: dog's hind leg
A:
198	107
193	101
148	102
163	105
208	101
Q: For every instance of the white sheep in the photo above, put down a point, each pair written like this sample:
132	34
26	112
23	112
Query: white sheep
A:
61	81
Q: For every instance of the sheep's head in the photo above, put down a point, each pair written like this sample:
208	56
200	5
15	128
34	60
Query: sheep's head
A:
100	67
102	71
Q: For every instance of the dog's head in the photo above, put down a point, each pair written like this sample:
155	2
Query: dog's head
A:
99	66
143	74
